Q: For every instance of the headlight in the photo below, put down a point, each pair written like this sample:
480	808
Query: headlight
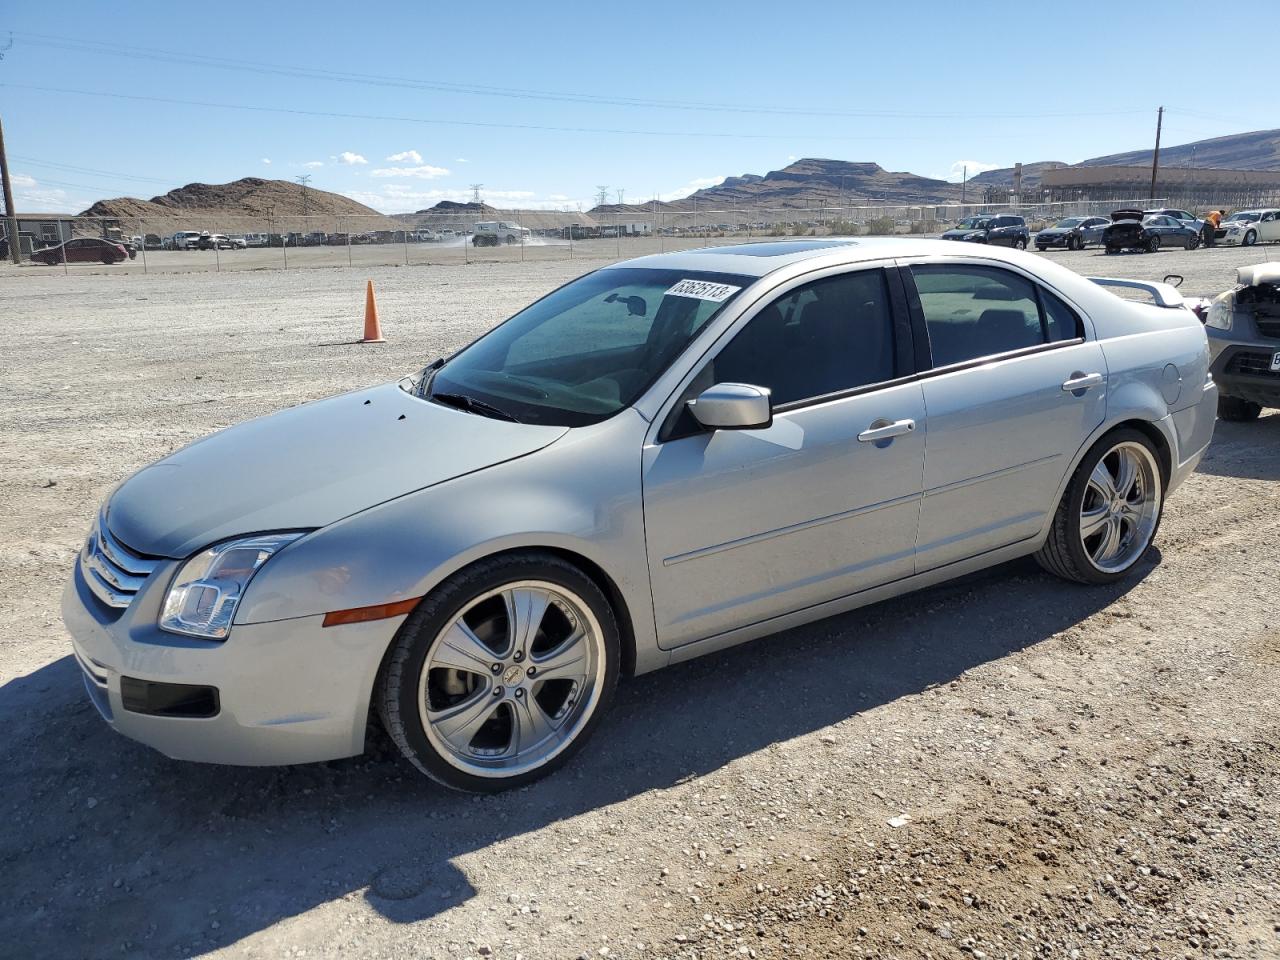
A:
203	597
1220	311
972	236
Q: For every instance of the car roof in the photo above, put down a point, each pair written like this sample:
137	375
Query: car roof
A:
761	259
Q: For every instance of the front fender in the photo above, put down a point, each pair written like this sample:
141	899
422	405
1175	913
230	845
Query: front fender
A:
581	494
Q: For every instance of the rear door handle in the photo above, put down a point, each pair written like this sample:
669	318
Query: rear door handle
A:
1083	381
885	430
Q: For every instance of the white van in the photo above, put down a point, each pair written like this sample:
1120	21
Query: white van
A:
490	233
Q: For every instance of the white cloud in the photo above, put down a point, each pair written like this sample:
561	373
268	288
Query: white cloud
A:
692	186
461	160
406	156
422	172
975	167
313	164
267	161
350	159
30	197
22	180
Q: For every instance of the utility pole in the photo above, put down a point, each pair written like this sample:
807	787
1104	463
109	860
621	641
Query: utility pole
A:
304	180
475	192
1155	156
964	183
15	244
621	193
602	195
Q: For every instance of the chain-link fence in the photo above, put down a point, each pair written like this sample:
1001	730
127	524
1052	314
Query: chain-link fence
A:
234	242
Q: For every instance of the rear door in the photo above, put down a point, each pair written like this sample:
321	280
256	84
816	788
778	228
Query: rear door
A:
1269	226
745	525
1015	383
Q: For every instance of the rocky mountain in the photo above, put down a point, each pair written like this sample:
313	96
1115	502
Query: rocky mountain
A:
250	204
1258	150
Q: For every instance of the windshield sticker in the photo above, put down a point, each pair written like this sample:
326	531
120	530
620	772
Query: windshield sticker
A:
703	290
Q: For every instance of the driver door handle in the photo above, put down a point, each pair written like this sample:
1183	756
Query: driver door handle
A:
1083	381
885	430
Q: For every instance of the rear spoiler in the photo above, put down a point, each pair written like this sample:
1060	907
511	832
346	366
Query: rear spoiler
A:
1162	294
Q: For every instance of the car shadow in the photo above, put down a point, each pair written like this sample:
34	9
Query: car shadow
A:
110	844
1247	451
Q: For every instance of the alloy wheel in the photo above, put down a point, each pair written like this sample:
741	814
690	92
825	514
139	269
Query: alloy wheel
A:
513	679
1121	507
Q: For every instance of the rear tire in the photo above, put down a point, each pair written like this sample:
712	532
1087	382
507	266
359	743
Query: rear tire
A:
1065	553
1112	250
1020	244
1193	243
473	728
1153	244
1237	410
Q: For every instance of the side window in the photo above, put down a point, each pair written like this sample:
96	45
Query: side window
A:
1060	321
973	311
830	335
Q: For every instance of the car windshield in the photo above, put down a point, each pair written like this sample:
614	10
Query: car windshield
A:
586	351
1069	223
1244	217
973	223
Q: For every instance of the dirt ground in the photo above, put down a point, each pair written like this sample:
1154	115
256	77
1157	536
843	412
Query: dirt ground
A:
1006	766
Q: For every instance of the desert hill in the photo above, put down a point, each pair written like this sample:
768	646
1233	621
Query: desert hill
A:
251	204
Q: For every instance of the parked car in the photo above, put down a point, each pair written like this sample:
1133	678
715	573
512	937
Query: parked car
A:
1185	217
82	250
255	239
1247	227
1003	230
153	241
185	240
478	552
1244	339
1134	230
1072	233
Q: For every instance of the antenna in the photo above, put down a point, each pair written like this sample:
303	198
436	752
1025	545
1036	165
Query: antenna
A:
475	192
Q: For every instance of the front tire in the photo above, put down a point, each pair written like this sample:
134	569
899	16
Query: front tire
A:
1153	244
1020	244
1250	238
501	673
1237	410
1109	513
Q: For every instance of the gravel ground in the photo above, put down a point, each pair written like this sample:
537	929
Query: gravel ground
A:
1004	766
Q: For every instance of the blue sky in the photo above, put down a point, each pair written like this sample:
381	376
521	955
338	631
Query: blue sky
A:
403	104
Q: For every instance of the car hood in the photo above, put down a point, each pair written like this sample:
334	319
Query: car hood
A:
963	231
1055	231
308	467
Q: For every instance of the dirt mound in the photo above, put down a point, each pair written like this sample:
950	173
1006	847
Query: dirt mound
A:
249	204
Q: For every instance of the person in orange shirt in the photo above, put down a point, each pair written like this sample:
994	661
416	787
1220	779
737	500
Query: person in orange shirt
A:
1211	221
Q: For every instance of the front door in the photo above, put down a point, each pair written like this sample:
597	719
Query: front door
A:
742	526
1016	388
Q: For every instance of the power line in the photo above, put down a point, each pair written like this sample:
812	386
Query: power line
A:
89	170
332	115
190	58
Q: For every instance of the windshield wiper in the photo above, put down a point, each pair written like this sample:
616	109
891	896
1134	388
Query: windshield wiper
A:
473	405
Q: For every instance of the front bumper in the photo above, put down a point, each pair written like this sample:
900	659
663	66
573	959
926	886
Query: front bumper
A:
1242	367
290	691
1057	240
1223	239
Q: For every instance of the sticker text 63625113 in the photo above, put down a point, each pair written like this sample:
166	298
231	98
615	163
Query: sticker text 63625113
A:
703	290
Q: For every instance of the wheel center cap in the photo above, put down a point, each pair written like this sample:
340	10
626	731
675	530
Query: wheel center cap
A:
512	676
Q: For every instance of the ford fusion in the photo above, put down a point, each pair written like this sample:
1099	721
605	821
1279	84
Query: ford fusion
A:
658	460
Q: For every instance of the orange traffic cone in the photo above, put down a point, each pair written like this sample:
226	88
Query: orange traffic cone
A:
372	329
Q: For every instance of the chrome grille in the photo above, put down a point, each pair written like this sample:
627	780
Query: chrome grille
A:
113	572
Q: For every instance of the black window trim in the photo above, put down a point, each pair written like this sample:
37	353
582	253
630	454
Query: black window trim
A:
920	330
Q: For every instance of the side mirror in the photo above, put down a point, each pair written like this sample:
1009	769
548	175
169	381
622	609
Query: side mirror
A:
733	406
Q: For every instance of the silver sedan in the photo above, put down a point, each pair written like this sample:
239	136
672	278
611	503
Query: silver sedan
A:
658	460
